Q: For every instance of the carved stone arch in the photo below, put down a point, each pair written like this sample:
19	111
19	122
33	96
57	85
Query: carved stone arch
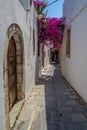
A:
12	29
14	43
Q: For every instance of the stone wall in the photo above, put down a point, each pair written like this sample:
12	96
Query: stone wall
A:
11	13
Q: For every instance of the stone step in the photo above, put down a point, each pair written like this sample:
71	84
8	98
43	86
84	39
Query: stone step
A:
26	117
14	113
33	118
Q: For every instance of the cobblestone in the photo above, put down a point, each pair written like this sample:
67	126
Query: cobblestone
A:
59	107
64	109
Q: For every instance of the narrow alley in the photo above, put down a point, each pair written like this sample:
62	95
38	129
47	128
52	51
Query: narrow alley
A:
43	66
57	105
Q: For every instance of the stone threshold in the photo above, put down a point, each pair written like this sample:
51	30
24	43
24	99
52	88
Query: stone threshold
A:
15	112
26	116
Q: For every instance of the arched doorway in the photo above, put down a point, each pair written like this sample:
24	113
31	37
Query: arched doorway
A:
13	70
12	73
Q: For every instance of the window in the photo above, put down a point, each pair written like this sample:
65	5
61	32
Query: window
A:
68	42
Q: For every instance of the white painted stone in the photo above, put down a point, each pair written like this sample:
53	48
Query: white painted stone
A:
74	69
12	12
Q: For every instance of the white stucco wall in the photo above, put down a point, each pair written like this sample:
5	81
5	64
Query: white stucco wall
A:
74	69
46	58
11	11
31	58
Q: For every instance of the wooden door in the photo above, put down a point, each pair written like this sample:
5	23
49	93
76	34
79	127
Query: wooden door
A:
12	82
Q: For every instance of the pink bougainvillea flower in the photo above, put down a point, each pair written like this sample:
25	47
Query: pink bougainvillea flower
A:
39	5
50	30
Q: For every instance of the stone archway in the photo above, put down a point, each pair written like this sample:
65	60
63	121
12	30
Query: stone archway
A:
13	70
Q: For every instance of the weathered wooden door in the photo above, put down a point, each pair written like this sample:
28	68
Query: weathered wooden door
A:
12	82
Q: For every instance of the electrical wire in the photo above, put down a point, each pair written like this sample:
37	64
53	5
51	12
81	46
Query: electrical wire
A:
52	2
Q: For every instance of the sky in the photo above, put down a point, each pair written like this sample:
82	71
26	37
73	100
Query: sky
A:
55	10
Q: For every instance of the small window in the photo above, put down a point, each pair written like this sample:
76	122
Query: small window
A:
68	42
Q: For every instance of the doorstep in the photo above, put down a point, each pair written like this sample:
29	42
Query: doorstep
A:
14	113
27	115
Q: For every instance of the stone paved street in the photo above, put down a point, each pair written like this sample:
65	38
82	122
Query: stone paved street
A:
59	106
53	105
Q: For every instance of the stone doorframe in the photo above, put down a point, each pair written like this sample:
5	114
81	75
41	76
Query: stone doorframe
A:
15	32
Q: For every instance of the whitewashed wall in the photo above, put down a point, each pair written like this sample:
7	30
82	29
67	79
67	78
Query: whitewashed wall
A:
74	69
31	58
46	58
11	11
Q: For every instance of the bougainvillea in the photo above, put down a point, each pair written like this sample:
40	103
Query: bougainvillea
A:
40	6
50	30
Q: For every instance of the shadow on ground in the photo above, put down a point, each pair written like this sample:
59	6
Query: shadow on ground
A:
64	109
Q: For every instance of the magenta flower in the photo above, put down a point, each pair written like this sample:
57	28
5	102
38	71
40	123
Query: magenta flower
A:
50	30
39	5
